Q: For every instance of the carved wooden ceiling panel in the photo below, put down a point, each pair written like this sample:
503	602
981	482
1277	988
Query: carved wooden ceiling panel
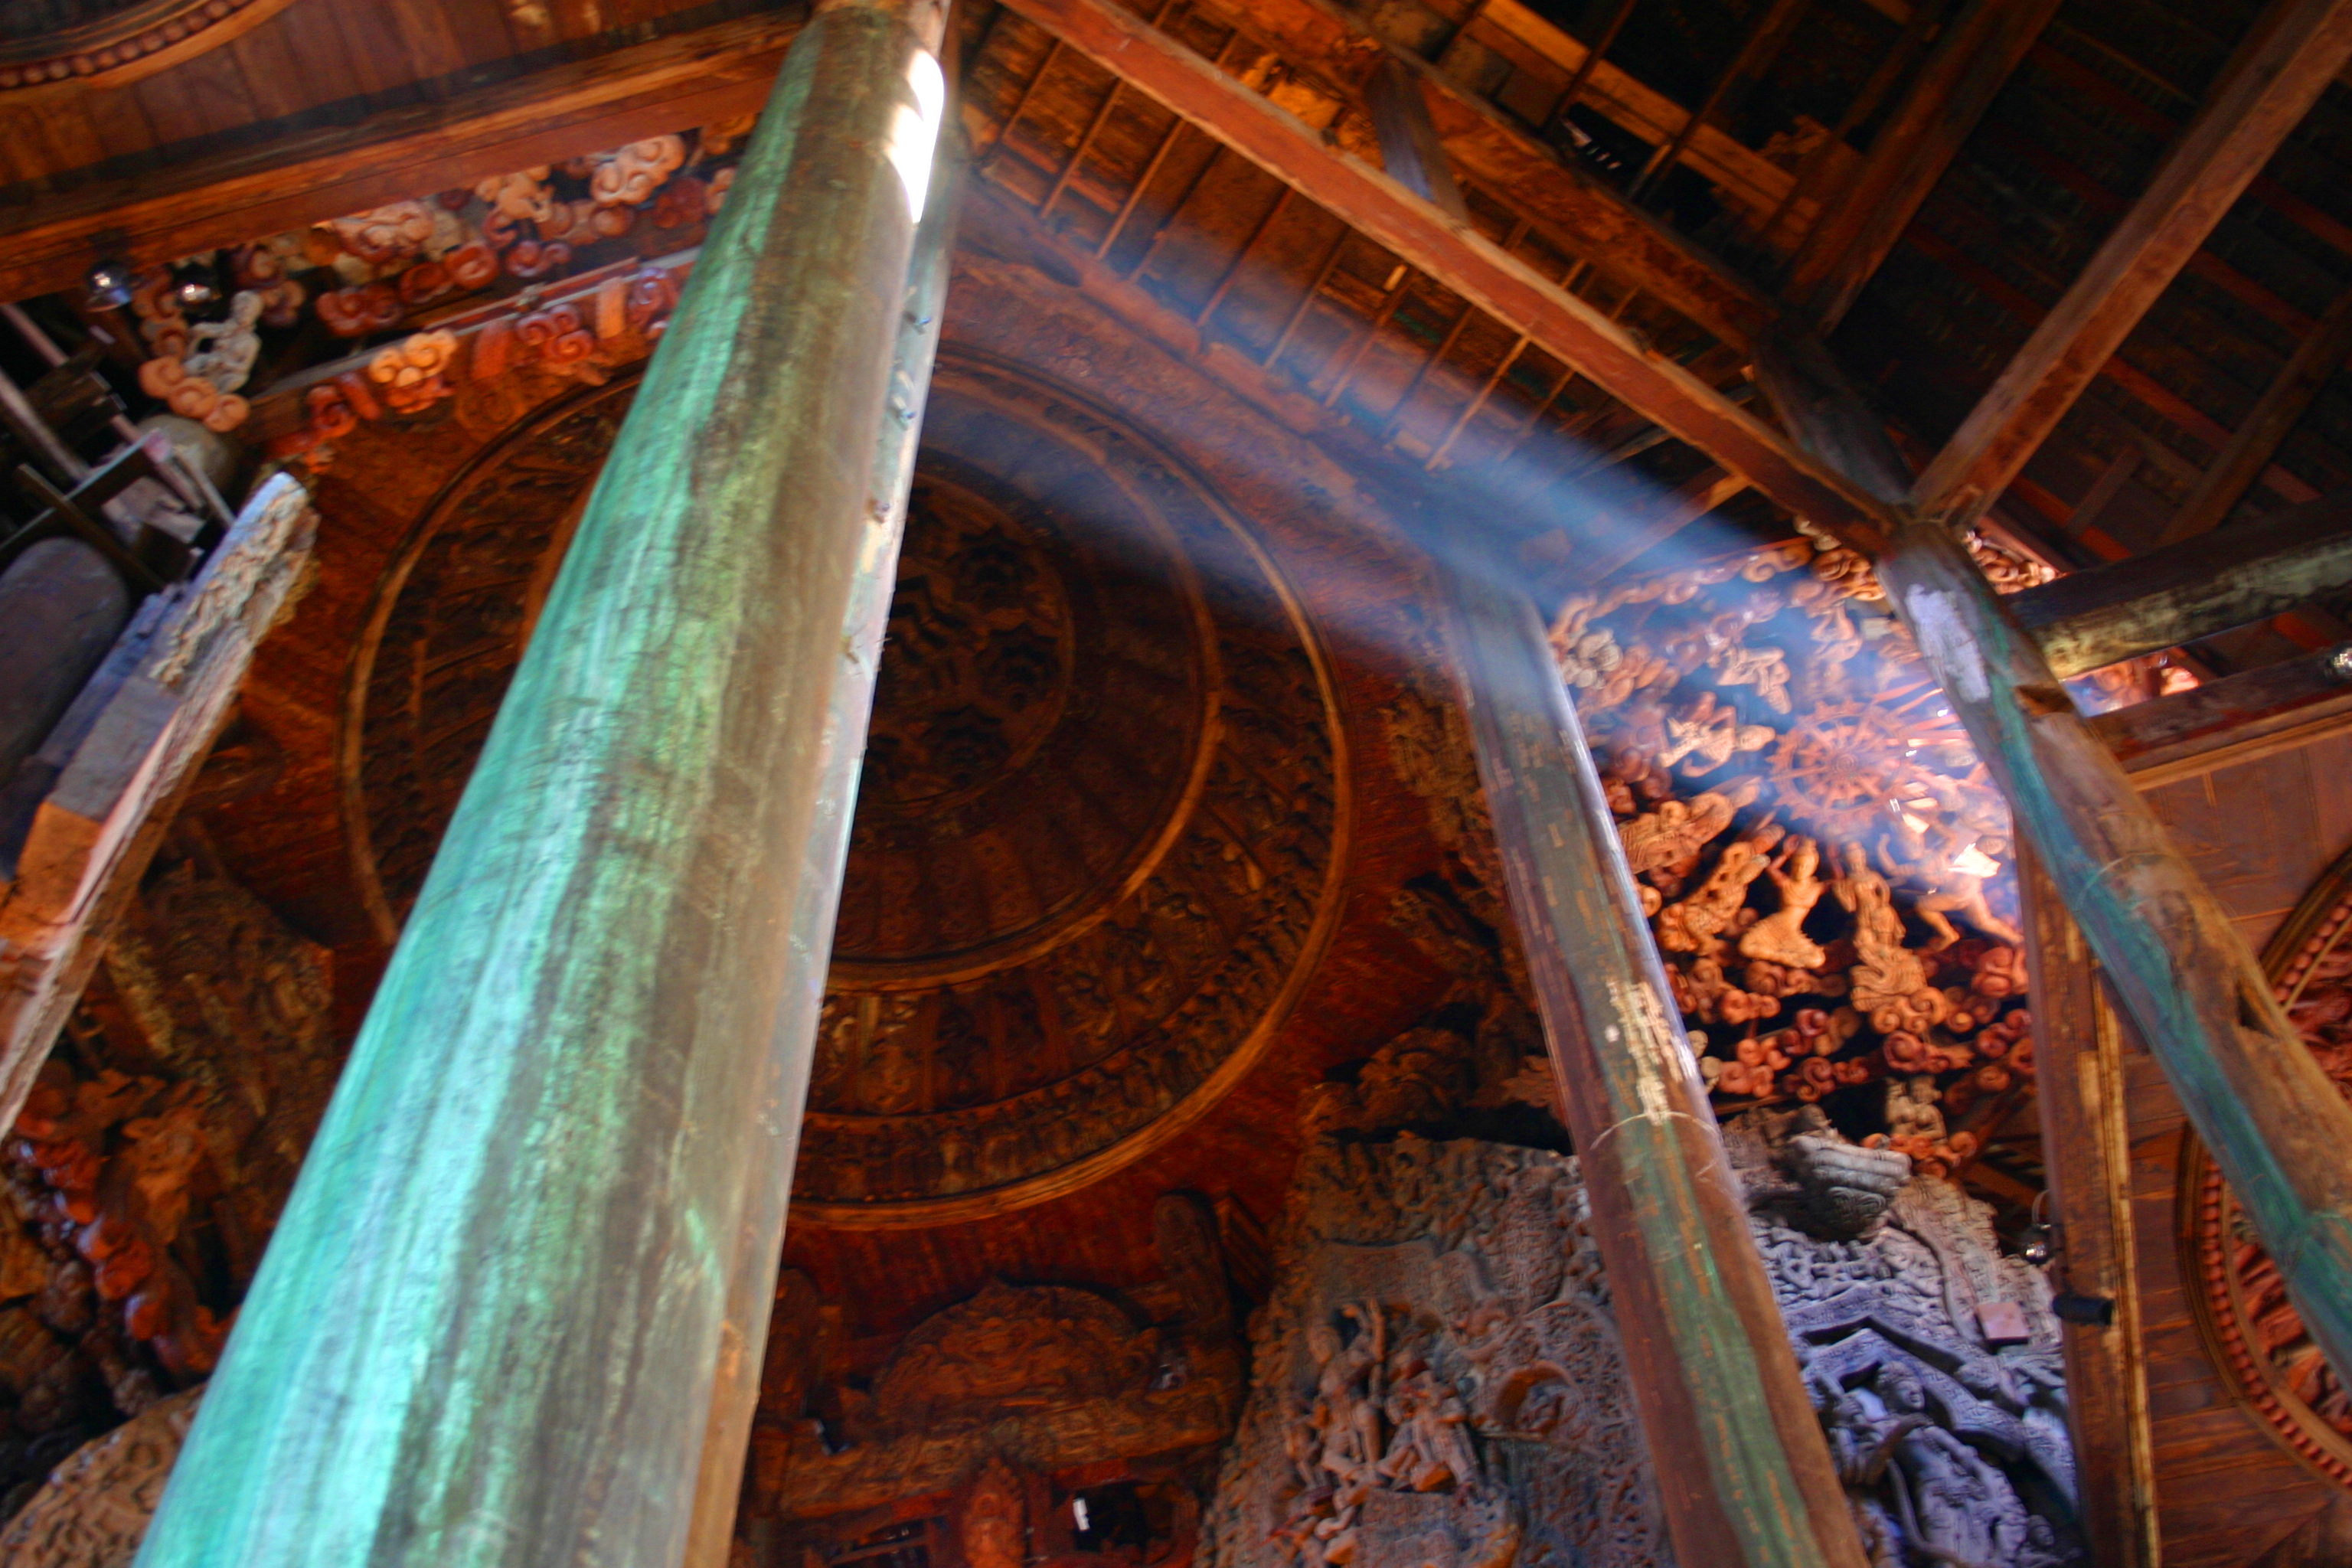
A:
1097	842
2251	1330
1088	877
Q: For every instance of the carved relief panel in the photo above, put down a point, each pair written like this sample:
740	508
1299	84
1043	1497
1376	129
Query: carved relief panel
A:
1100	827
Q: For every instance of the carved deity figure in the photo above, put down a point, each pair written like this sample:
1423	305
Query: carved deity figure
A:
994	1530
1696	924
1431	1448
1779	937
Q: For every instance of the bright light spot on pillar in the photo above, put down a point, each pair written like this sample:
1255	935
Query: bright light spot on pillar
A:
915	132
1079	1514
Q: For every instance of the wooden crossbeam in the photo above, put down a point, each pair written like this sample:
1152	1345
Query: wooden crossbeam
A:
1593	217
2221	706
2269	85
1465	261
2183	592
670	84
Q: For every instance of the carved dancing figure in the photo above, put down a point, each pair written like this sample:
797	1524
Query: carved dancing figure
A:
1779	937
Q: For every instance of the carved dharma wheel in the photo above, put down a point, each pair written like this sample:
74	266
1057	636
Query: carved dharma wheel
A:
1099	824
2251	1328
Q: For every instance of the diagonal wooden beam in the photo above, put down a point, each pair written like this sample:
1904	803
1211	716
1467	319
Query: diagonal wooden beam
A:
2169	952
1591	218
670	84
1977	55
2272	80
1521	299
2181	592
2251	446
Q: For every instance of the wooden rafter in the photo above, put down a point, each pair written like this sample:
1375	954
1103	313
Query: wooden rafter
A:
2241	463
670	84
2276	75
1479	271
1977	55
1484	147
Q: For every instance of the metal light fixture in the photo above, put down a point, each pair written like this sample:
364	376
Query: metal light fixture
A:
193	286
107	285
2036	1243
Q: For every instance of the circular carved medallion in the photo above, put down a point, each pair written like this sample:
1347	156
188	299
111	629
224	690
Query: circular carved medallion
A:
2251	1328
1101	823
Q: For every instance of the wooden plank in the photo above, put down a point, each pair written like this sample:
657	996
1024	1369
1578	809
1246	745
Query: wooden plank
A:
372	45
1408	145
279	82
483	35
427	40
2317	357
2189	590
2220	707
1968	67
93	833
2323	1541
1522	299
2277	74
578	106
1583	216
2078	1051
202	95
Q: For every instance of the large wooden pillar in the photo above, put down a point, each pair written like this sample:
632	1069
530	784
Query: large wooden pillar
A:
735	1398
1744	1470
489	1326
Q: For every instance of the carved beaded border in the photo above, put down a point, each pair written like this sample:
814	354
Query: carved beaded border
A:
137	34
2319	923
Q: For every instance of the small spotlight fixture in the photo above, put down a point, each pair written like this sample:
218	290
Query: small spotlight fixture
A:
107	285
193	288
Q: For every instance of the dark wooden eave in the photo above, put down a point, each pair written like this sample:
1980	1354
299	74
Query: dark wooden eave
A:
231	198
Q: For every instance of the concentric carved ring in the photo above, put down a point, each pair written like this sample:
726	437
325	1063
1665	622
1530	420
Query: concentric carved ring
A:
1099	831
116	40
2251	1328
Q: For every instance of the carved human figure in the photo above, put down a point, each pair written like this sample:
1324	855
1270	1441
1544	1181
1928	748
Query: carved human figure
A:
1958	1508
1696	924
1779	937
995	1529
1430	1447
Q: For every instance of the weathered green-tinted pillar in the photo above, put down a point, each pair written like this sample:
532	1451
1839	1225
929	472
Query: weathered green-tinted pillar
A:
735	1396
1744	1473
488	1328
